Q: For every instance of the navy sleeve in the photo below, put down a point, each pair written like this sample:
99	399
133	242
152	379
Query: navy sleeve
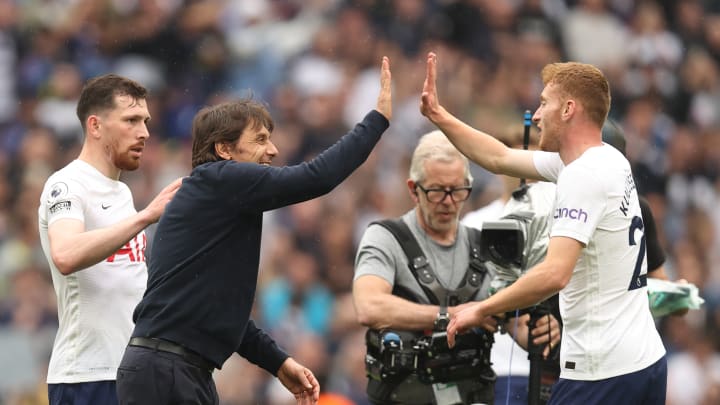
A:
655	253
256	188
260	349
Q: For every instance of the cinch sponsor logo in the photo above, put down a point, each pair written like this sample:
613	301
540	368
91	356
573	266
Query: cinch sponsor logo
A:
572	213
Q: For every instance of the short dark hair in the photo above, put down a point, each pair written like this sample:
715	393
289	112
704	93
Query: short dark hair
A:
224	123
98	94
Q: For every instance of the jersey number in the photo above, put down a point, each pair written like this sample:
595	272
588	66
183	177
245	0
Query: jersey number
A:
637	280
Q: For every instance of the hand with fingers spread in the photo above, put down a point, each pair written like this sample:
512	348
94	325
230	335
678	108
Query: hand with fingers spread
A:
300	381
384	101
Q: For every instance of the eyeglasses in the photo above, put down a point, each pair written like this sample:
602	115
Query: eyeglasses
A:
436	195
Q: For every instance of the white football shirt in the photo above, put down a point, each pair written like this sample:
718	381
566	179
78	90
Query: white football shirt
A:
608	329
95	304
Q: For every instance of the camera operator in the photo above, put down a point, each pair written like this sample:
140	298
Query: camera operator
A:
406	296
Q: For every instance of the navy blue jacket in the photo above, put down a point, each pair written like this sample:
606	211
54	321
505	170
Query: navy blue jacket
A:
203	262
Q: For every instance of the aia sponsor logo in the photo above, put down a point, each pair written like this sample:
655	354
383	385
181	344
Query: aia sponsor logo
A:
134	250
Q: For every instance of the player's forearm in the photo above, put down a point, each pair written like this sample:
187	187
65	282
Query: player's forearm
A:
478	146
75	252
533	287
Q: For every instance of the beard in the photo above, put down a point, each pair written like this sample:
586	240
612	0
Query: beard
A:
547	145
125	162
549	141
124	158
440	225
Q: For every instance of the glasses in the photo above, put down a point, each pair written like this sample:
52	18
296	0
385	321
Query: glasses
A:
436	195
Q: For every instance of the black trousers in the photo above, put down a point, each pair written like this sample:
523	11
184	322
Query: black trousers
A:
149	377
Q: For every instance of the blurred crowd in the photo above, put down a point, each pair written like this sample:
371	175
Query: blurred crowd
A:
316	64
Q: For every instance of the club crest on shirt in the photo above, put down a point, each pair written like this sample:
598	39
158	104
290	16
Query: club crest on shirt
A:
57	198
57	192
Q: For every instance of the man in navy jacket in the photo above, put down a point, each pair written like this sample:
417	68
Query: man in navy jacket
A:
203	264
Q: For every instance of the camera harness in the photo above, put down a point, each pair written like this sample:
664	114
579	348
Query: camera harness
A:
424	274
428	355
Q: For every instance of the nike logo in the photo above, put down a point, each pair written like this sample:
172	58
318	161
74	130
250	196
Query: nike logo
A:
106	206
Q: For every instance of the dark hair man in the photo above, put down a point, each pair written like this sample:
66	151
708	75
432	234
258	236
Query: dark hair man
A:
204	267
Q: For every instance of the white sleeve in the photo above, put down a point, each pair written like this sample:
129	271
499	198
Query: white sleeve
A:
63	199
548	164
580	204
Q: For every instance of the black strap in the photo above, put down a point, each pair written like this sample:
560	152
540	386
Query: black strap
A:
424	274
475	273
417	262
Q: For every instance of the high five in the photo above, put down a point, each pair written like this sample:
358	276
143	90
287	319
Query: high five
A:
611	351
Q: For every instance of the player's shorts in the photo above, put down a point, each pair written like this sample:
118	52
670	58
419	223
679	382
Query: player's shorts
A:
87	393
647	386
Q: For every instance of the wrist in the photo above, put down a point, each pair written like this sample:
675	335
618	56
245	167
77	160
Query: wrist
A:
146	218
439	116
442	319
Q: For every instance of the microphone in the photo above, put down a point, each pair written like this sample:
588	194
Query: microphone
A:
527	121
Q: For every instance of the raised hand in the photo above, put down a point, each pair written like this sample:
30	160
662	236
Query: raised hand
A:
429	104
384	101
